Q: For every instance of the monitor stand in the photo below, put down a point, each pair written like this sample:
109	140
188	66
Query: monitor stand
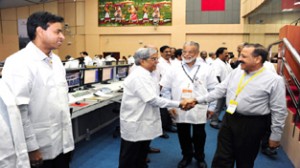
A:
88	86
105	82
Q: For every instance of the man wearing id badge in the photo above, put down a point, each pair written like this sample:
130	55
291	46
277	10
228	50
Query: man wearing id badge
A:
187	80
253	93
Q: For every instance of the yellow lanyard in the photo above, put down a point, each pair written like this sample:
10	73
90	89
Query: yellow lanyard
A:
241	85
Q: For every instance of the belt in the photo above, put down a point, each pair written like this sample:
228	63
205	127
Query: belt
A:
237	114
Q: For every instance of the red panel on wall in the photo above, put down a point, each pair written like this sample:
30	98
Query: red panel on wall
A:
290	4
212	5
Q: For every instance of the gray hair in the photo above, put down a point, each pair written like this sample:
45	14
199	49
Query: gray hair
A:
192	43
143	54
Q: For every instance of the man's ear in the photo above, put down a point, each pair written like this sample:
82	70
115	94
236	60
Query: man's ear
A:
39	31
258	59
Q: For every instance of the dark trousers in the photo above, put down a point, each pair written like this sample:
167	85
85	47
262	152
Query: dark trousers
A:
239	140
61	161
219	108
266	137
166	120
133	154
192	145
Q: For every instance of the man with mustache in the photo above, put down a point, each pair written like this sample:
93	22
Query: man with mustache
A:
252	95
189	79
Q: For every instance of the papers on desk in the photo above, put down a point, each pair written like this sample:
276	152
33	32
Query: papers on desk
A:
102	94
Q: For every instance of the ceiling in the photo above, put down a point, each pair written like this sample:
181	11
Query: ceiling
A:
18	3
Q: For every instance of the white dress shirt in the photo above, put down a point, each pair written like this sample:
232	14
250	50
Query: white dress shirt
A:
221	68
13	150
139	115
162	67
88	61
41	93
268	65
177	79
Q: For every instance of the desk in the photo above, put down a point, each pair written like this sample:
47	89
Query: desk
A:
97	113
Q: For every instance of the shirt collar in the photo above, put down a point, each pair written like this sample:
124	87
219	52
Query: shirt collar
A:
197	63
39	54
143	70
253	72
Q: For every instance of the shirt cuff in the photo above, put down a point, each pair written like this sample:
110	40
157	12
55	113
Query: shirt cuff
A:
175	104
201	99
275	137
22	100
211	109
32	144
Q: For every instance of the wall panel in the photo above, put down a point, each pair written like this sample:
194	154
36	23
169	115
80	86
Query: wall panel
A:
211	42
128	44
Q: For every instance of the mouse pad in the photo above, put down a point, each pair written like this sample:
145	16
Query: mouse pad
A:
79	105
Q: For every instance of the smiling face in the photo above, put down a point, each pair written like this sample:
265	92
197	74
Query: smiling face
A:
249	62
166	54
189	53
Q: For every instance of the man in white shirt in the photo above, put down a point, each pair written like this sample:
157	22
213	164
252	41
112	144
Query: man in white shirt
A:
139	114
186	80
130	60
71	62
37	79
163	67
87	59
203	57
13	150
222	69
211	58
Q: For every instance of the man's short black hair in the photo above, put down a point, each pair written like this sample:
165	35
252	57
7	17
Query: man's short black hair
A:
220	51
41	19
259	50
163	48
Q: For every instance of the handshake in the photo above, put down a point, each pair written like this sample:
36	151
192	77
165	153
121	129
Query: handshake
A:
187	104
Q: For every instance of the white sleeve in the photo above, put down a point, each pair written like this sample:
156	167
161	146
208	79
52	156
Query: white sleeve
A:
30	137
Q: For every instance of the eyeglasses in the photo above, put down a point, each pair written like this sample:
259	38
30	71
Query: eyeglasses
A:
153	58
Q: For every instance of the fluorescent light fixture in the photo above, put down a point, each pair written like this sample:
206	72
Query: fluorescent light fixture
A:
287	10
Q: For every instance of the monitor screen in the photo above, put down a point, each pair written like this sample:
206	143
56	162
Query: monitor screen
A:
107	74
122	71
90	76
73	78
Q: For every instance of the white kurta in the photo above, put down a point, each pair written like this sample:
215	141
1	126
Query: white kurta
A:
43	89
177	80
221	68
139	114
162	68
13	150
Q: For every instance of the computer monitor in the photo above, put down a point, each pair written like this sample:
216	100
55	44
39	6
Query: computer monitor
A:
122	71
73	79
90	76
107	74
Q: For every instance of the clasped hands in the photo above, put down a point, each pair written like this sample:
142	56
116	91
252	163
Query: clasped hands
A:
187	104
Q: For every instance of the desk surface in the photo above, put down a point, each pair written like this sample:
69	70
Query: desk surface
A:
90	102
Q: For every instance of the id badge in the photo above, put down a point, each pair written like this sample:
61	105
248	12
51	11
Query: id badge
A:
232	106
186	93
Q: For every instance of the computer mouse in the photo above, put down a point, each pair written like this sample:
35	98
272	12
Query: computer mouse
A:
77	103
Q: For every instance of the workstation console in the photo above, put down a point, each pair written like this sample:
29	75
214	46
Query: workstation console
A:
90	110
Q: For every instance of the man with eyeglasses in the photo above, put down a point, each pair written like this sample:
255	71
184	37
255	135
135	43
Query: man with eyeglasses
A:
186	80
139	114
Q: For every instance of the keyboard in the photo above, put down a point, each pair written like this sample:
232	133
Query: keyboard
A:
82	94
